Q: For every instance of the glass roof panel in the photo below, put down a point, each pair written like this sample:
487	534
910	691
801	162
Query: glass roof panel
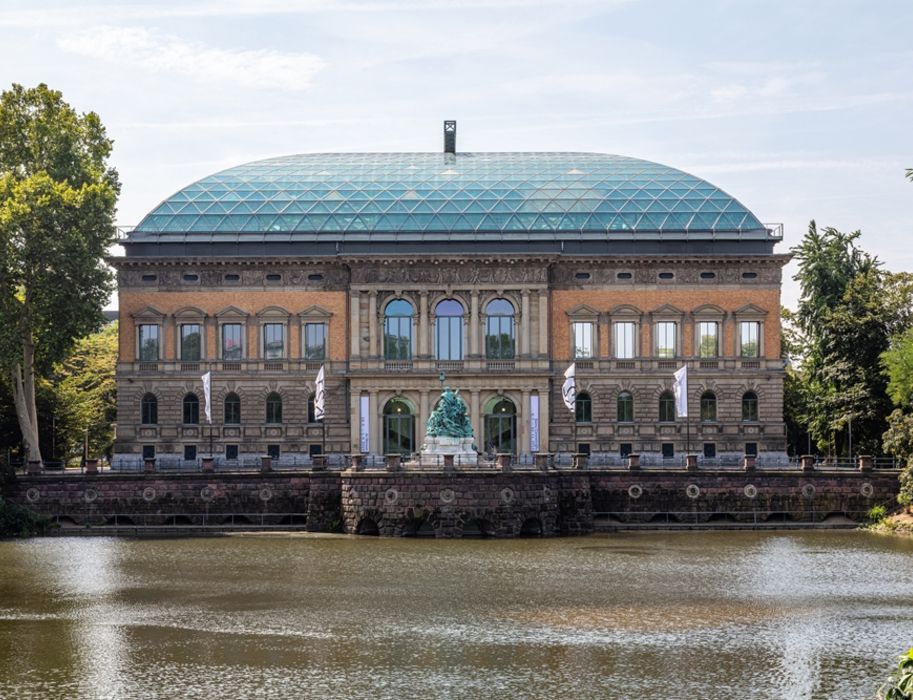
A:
440	194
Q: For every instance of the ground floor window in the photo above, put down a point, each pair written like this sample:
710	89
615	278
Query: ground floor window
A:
231	452
709	450
148	451
273	451
751	449
190	453
668	450
624	449
399	428
500	427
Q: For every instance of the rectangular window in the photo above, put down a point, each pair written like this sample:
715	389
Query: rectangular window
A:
148	451
232	348
668	449
583	340
625	340
751	449
190	342
190	453
148	343
231	452
709	450
273	451
665	339
749	337
273	341
315	341
708	339
624	449
315	450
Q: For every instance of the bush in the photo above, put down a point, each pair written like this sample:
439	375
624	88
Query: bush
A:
16	521
876	514
900	684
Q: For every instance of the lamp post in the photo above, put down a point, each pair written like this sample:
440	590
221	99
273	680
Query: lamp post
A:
441	378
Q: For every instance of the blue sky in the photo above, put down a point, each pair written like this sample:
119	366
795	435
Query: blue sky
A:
801	109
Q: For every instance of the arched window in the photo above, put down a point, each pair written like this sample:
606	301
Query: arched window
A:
625	407
312	413
398	330
191	409
149	410
500	426
399	427
750	406
232	409
583	408
708	407
666	407
499	330
449	330
273	408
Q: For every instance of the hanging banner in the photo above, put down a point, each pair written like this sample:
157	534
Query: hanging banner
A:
534	423
364	421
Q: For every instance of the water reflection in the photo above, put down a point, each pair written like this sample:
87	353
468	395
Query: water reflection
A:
814	615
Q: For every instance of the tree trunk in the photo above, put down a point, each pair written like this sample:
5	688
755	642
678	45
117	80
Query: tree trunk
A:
26	414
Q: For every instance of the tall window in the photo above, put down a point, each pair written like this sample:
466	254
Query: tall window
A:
584	347
708	339
273	341
499	330
312	409
231	342
666	407
148	342
399	428
191	409
665	339
583	408
625	407
749	337
398	330
625	340
190	342
273	408
708	407
750	406
232	409
149	410
315	341
449	330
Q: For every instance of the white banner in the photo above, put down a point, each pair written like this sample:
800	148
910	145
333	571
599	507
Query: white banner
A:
319	397
534	423
207	396
364	421
680	389
569	388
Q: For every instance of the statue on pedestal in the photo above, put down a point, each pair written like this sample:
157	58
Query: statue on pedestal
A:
448	430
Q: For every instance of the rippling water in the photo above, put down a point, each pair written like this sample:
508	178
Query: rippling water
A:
681	615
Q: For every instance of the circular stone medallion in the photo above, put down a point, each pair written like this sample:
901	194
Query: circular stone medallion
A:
149	494
635	491
808	490
90	495
507	495
750	491
391	496
266	493
32	495
867	490
206	493
693	491
447	495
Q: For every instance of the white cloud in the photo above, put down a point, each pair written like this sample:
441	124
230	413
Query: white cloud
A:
161	53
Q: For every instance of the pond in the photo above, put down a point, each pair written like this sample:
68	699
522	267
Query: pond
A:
671	615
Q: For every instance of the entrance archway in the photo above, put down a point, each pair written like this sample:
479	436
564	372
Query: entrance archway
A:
399	427
500	426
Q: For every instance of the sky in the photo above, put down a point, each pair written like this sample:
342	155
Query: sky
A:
801	109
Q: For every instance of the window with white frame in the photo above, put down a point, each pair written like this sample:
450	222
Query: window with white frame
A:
273	341
749	339
625	340
149	336
315	341
584	347
666	339
708	339
232	347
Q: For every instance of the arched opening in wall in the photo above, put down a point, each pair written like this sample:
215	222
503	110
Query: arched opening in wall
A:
65	521
120	521
398	316
175	520
531	527
837	518
499	330
477	528
500	426
399	427
448	321
778	517
721	518
664	518
367	526
294	520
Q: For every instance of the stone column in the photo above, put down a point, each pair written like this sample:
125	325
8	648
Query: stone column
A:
354	319
475	416
543	323
375	440
525	323
423	331
544	419
372	323
474	324
523	432
355	419
422	418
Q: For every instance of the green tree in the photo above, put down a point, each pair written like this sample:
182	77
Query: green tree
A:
57	204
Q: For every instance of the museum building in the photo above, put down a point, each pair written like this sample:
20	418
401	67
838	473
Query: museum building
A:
488	272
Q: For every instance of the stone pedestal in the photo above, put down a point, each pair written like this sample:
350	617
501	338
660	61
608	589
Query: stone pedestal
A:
581	460
807	463
448	463
542	461
749	463
633	462
866	463
504	460
318	463
394	462
207	465
691	463
33	467
91	467
266	463
460	449
149	465
357	462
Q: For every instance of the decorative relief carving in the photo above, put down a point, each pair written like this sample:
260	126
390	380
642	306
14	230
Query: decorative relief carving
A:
448	275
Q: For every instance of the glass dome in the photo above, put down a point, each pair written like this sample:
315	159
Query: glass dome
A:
428	196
